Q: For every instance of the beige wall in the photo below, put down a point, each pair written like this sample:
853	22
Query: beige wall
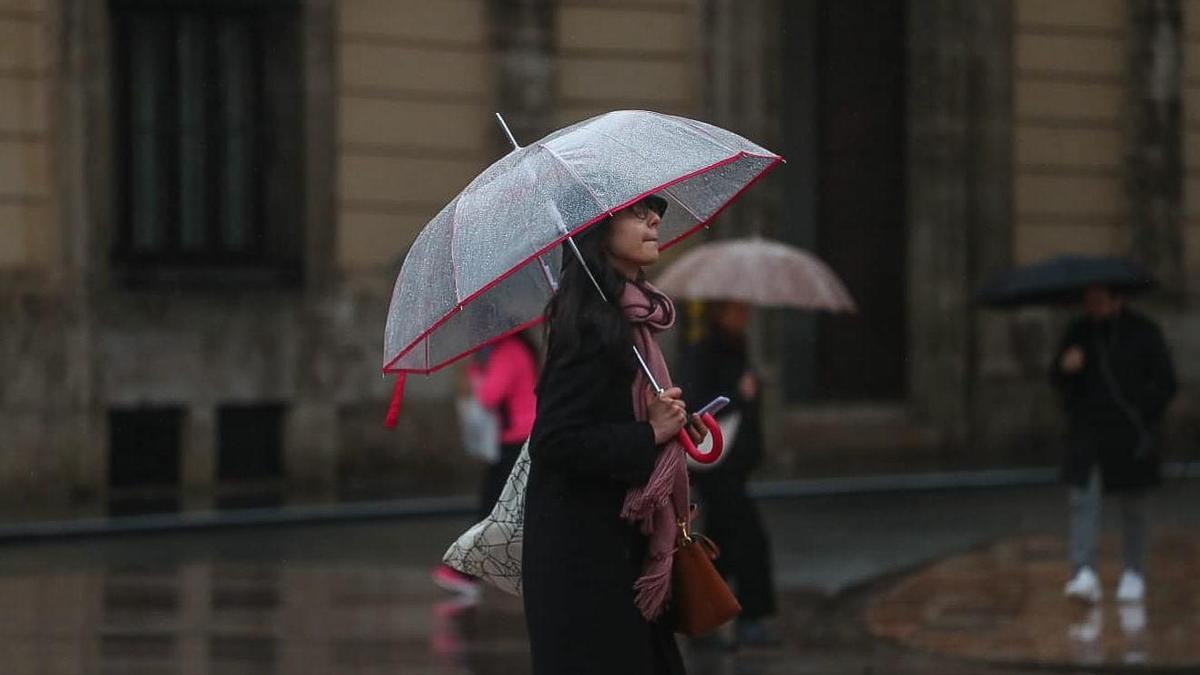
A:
1069	61
414	119
25	166
416	90
626	55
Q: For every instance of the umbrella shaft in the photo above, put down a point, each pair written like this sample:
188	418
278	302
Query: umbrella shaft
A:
507	131
646	369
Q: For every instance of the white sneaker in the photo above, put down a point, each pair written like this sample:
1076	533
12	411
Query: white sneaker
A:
1085	586
1132	587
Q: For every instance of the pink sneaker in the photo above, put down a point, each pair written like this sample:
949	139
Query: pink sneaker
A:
454	581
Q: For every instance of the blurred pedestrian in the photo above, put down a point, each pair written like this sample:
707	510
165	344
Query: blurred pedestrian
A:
719	365
1115	377
595	580
501	378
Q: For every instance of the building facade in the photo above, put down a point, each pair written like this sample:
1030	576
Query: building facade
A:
203	206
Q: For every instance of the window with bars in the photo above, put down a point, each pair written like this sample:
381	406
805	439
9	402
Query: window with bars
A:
208	162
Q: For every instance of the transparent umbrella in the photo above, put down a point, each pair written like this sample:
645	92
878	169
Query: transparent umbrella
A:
486	265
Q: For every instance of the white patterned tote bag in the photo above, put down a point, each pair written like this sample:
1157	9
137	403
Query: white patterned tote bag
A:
491	549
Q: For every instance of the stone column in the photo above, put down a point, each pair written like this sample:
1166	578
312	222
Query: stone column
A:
736	39
1154	163
959	107
320	101
80	182
522	33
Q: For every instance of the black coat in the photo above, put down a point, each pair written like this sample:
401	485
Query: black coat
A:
1116	402
713	367
580	558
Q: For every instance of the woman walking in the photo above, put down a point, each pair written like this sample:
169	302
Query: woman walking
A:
607	481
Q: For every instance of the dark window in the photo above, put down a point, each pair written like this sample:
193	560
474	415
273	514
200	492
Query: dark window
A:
250	442
143	459
208	166
144	447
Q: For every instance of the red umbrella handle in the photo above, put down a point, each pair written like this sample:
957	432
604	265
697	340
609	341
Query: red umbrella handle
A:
718	441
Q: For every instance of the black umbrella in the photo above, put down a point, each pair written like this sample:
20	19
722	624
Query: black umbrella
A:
1062	279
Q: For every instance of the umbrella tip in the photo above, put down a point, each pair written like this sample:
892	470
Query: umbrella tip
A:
507	131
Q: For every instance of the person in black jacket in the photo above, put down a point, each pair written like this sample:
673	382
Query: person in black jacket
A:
587	450
1115	378
719	365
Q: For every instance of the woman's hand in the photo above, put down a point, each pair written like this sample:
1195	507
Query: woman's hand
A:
666	413
697	430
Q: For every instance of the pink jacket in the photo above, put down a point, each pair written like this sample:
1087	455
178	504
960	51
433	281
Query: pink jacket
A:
507	380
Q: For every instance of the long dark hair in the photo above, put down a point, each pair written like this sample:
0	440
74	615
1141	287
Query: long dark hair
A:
577	317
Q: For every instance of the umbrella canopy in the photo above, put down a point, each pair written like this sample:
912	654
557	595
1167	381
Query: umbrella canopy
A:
757	271
1063	279
486	265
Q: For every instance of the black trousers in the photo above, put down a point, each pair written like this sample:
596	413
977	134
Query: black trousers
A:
732	521
495	476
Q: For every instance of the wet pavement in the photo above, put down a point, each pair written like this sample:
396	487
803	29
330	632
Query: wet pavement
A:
1003	603
356	598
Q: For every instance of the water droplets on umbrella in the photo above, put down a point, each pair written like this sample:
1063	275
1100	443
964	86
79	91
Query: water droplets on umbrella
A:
579	257
487	263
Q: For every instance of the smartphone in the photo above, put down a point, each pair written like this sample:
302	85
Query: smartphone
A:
714	406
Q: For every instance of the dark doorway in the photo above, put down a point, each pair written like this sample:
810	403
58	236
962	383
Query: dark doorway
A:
845	130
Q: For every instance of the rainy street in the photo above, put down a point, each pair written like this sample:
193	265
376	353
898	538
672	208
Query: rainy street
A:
955	581
325	322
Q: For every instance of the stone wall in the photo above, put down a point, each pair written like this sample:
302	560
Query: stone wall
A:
1068	113
27	64
1191	142
43	393
1019	129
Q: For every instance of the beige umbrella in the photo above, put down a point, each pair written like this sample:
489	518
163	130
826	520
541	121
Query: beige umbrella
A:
757	271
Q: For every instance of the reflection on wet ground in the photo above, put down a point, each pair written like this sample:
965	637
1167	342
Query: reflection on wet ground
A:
222	618
356	598
1004	603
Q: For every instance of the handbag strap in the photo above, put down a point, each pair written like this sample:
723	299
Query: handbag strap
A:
687	538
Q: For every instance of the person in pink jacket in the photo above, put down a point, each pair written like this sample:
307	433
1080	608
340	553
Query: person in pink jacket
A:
502	378
504	382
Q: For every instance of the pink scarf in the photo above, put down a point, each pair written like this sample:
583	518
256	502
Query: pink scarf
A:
656	506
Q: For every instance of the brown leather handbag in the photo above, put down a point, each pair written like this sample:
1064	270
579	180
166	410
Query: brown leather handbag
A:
702	599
